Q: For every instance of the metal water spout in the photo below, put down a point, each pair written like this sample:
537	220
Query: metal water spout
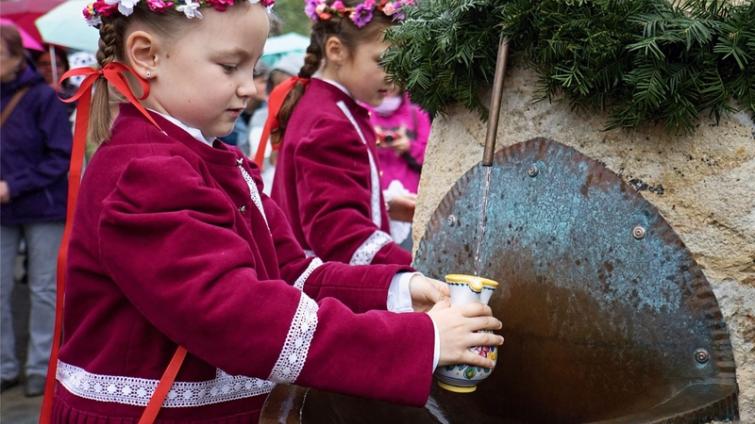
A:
495	102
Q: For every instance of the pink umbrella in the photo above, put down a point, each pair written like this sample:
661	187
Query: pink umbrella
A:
24	12
28	41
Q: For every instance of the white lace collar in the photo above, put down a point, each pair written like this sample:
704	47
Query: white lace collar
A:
334	84
194	132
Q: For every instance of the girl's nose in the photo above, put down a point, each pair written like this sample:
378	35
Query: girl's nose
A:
247	87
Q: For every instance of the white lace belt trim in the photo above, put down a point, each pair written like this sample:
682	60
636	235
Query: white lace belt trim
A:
366	252
313	265
295	348
138	391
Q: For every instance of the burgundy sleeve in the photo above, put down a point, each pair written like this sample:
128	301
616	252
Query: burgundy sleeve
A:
361	288
334	191
175	256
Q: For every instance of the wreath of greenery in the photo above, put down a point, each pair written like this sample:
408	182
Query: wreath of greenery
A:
640	60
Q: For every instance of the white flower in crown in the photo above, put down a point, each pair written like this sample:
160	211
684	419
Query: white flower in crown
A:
190	8
125	7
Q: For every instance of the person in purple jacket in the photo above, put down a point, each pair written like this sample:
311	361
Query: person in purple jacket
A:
34	158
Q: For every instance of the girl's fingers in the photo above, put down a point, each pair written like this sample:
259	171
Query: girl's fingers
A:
475	309
484	323
471	358
442	287
484	339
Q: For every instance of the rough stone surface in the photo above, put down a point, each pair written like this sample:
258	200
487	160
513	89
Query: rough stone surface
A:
703	184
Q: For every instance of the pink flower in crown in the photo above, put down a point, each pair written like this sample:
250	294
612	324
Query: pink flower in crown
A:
102	8
338	6
91	16
267	3
220	5
362	14
159	5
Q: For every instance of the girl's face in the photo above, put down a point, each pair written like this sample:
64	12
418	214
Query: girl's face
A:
204	76
362	74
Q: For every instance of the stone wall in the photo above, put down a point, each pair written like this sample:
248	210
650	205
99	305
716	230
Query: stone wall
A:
703	184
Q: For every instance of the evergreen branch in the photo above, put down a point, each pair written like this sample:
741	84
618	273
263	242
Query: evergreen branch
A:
641	60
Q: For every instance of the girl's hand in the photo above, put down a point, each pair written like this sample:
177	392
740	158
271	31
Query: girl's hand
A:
401	143
401	208
456	328
426	292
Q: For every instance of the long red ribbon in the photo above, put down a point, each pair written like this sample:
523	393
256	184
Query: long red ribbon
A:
115	74
274	104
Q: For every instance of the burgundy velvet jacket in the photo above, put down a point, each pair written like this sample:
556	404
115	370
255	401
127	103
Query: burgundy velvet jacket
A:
327	180
170	246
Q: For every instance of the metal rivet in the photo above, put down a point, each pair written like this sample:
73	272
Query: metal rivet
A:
638	232
452	220
702	356
532	171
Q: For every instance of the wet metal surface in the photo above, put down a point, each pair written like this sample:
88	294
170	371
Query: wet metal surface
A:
606	315
605	312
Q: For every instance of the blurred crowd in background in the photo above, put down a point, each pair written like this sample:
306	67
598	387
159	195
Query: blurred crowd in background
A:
36	134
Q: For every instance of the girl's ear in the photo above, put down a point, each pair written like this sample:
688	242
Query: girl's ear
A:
335	51
141	53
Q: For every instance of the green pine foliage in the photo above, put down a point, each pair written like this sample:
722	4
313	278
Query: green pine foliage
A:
641	60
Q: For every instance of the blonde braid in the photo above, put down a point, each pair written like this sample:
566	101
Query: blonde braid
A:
109	50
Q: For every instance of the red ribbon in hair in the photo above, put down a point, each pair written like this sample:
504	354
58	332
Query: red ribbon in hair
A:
115	74
274	104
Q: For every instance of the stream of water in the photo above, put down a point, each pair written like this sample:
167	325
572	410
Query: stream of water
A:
482	222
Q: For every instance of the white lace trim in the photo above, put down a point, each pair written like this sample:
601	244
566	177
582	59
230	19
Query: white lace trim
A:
138	391
254	193
313	265
295	348
375	207
367	251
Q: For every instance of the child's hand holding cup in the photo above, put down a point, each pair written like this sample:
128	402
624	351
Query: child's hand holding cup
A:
469	349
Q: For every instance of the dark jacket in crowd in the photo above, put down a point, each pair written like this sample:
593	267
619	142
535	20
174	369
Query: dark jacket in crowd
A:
35	150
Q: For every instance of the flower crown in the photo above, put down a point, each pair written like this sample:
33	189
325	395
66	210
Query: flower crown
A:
94	12
360	15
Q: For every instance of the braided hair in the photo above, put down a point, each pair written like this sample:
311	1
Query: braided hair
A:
349	35
111	48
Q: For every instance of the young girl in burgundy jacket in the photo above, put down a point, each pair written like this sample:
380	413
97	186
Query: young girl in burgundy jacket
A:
177	258
327	178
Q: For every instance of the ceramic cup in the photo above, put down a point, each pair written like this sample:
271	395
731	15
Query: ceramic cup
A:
462	378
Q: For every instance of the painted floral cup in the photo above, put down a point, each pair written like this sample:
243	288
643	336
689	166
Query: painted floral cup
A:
463	378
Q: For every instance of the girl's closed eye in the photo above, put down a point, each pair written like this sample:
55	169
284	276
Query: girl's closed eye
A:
228	68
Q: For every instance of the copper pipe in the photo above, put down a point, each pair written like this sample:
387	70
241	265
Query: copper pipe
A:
495	102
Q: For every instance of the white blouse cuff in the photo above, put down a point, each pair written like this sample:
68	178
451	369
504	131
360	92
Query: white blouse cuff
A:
399	293
400	300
